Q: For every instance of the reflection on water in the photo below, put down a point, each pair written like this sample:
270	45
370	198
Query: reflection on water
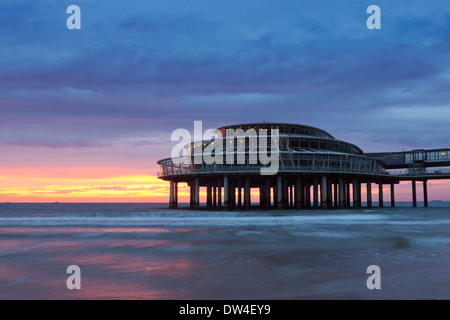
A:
144	252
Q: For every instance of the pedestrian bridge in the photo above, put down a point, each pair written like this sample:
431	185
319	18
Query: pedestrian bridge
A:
419	158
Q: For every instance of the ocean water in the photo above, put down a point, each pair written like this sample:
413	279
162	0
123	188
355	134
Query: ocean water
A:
146	251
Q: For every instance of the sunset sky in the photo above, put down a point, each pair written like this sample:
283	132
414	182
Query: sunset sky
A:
85	114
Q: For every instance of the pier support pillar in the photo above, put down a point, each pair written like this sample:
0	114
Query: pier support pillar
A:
316	193
197	193
335	195
307	195
175	195
208	195
392	195
425	194
279	191
341	193
247	193
171	194
329	193
414	195
192	194
262	195
298	193
285	199
347	195
291	195
268	201
275	196
356	193
369	194
219	193
359	193
380	194
226	191
239	195
234	193
324	192
214	194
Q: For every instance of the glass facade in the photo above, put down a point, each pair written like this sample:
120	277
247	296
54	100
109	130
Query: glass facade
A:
301	149
427	155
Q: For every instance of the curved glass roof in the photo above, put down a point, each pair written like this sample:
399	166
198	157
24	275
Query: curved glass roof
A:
284	128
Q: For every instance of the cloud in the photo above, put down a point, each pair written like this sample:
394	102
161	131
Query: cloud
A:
136	71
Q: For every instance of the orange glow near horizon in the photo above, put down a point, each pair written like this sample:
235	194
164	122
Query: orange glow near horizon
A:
83	185
73	184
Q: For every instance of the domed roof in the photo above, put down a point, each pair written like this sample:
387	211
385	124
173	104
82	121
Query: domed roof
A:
284	128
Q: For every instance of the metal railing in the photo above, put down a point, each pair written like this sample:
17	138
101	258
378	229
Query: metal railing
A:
284	169
415	172
305	163
288	162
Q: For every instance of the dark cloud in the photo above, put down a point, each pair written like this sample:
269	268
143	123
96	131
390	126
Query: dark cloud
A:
166	24
284	62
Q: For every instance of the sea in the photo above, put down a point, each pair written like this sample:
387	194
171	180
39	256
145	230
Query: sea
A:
141	251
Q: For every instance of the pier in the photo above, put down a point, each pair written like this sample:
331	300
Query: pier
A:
315	170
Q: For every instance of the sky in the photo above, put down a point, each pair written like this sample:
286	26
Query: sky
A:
85	114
